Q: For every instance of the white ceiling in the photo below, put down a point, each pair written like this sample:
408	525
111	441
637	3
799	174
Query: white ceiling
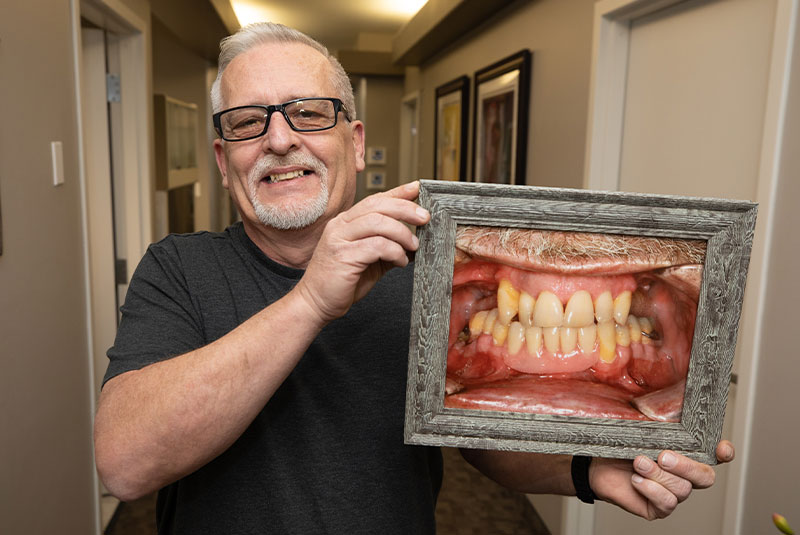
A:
335	23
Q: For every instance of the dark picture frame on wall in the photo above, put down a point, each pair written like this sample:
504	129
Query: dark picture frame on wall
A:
450	130
459	395
500	127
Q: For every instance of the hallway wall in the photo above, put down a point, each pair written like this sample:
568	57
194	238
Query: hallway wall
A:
559	35
45	410
181	73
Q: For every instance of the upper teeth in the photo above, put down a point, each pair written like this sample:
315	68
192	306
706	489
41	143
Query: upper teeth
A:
285	176
522	319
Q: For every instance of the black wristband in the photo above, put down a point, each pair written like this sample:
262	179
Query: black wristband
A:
580	478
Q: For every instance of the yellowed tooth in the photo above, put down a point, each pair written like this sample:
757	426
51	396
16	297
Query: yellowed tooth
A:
507	302
533	339
646	328
579	311
604	307
587	336
526	304
548	311
476	323
489	322
568	336
634	328
499	333
608	340
622	306
516	337
623	335
551	339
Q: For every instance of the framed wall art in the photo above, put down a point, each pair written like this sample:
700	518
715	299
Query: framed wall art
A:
450	130
376	180
500	129
376	155
572	321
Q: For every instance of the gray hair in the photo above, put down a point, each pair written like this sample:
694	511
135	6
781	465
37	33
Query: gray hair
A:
261	33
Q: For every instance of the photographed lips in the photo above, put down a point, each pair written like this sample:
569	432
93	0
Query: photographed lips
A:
570	323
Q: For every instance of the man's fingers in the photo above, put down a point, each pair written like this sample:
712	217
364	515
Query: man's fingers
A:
658	501
396	203
408	191
725	451
673	484
700	475
375	224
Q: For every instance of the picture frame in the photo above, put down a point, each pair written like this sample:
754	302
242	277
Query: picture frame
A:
450	130
376	181
376	155
500	126
725	227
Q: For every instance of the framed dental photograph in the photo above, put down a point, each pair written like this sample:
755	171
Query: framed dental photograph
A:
500	129
450	130
572	321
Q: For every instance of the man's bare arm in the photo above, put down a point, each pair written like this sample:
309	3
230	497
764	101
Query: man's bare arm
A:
162	422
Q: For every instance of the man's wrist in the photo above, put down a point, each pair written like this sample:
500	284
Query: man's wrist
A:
580	478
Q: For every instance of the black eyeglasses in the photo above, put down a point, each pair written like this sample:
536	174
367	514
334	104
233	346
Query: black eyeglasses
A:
303	115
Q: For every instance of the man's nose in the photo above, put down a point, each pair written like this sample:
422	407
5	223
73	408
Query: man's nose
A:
279	138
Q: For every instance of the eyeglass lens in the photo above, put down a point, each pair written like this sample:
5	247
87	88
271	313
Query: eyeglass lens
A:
308	114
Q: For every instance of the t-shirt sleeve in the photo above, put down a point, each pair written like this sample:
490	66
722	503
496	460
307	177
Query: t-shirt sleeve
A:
160	320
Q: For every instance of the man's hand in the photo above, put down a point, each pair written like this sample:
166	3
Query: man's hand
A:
653	490
358	247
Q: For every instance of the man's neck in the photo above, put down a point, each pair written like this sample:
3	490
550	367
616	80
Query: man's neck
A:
292	248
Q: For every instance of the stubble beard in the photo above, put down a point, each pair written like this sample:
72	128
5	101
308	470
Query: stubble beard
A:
300	213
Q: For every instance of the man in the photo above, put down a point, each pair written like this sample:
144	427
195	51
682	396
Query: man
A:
258	377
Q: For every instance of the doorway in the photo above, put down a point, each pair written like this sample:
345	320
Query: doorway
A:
110	76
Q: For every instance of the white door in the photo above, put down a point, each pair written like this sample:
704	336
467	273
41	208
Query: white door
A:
100	196
688	97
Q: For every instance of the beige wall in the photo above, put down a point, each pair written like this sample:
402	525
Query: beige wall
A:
773	469
382	126
46	462
559	35
180	73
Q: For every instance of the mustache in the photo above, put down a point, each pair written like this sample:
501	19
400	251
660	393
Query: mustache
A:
575	252
272	161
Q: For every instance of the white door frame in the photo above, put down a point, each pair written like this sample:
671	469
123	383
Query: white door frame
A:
134	32
409	146
612	27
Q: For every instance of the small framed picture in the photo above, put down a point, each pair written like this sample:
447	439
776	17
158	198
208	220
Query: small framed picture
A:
500	134
573	321
376	155
376	180
450	130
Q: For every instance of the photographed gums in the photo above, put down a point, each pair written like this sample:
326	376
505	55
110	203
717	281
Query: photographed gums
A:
574	324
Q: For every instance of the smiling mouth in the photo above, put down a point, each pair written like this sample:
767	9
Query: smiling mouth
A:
282	177
582	326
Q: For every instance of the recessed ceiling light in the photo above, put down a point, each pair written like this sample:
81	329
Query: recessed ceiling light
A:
248	12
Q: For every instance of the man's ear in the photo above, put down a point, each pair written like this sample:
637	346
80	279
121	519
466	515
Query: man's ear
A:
222	161
358	144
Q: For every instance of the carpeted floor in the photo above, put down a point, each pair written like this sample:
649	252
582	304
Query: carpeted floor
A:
469	504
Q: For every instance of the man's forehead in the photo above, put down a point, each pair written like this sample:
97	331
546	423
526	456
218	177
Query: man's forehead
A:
286	70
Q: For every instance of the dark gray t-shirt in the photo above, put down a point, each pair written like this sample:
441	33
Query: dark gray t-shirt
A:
326	454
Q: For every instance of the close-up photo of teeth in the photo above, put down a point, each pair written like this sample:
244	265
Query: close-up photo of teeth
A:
575	324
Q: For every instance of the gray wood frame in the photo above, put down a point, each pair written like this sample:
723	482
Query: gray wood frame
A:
728	227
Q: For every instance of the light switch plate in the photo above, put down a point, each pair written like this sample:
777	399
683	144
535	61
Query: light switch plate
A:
57	154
